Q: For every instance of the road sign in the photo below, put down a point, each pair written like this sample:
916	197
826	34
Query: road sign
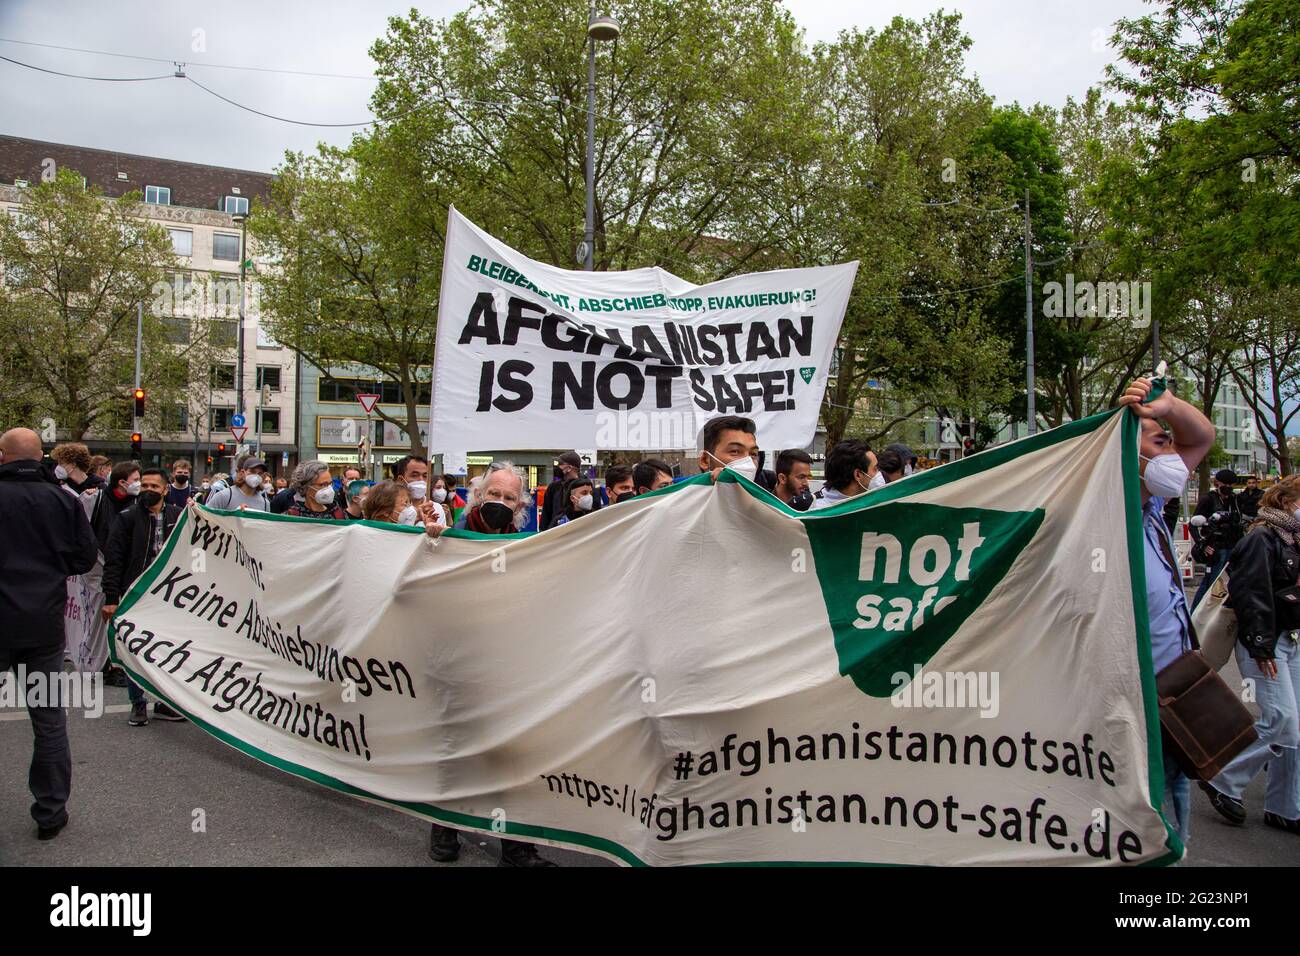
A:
367	402
238	431
237	421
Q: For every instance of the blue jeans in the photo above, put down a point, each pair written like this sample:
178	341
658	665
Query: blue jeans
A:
1178	799
133	693
1279	733
1211	572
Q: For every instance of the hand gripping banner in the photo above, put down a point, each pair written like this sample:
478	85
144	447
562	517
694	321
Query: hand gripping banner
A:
954	669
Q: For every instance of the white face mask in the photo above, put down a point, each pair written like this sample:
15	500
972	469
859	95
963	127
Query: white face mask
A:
585	502
907	470
408	515
744	465
253	481
877	481
60	473
417	489
1166	475
440	495
206	485
325	496
133	488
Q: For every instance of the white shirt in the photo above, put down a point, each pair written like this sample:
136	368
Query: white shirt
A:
829	497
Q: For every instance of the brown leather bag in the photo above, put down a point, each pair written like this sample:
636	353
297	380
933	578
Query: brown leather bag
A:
1205	724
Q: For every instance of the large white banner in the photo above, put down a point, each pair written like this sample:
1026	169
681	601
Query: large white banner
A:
533	356
936	672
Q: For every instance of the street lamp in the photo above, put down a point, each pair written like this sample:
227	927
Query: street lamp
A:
598	29
242	219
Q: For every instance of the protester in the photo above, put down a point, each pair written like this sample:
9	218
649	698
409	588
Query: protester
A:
1248	500
47	539
282	498
498	504
850	466
390	501
281	483
413	471
895	462
554	501
246	493
793	474
1220	532
729	441
180	491
618	483
139	534
1166	458
356	499
651	475
442	500
74	467
314	495
1263	571
579	497
100	467
88	637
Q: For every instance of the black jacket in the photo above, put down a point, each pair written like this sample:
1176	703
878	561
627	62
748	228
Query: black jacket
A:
1261	565
128	548
1248	501
554	504
44	538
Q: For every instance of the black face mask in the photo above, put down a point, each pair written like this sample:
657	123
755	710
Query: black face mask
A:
182	479
802	502
495	515
148	499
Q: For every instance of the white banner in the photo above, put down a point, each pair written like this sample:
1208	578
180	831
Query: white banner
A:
531	356
935	672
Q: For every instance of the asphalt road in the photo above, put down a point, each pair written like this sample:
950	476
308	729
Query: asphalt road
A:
136	790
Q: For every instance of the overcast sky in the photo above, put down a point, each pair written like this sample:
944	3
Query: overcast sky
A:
1024	50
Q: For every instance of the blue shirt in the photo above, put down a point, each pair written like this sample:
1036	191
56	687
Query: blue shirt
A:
1171	624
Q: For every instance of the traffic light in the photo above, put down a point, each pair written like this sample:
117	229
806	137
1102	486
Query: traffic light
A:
221	448
968	445
139	402
209	459
137	443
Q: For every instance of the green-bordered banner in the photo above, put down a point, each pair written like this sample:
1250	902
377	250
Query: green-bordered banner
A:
954	669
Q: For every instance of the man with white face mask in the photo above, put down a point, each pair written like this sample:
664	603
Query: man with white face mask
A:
1165	459
729	441
246	492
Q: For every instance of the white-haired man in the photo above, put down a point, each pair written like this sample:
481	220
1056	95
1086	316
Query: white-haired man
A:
498	504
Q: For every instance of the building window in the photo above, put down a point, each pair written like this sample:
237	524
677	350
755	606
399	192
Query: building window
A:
225	333
225	247
223	376
270	421
177	328
389	392
236	205
268	375
182	242
221	419
159	195
175	418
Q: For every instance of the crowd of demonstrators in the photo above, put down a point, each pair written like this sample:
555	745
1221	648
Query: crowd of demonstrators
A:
413	472
1264	585
139	533
850	466
247	493
1218	531
314	495
47	539
793	477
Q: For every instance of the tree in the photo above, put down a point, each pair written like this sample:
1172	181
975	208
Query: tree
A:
1267	368
355	238
77	265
